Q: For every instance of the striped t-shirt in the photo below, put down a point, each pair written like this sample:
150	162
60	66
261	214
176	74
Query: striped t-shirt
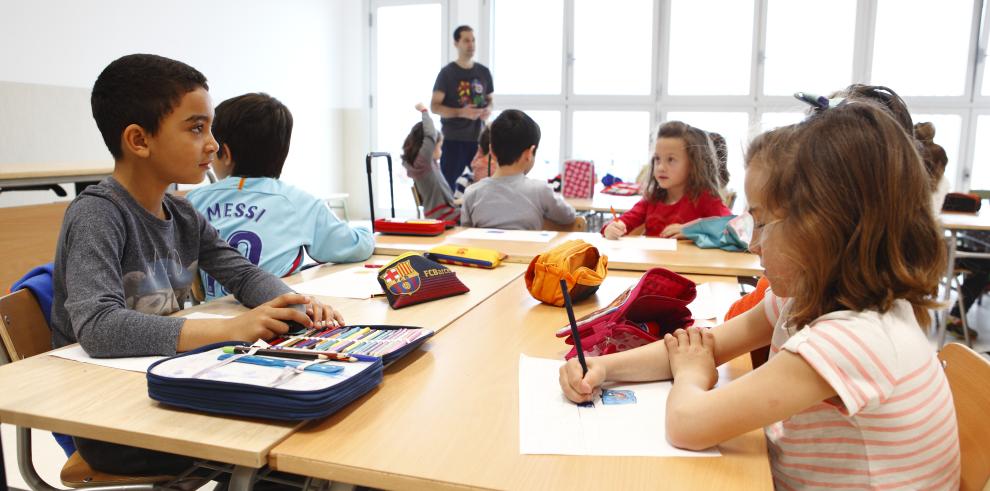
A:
892	425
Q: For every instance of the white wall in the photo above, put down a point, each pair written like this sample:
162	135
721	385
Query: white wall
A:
294	51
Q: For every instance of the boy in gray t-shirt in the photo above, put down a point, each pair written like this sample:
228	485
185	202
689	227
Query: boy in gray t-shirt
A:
127	253
509	199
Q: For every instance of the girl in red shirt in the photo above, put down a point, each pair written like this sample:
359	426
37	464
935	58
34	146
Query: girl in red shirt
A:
684	188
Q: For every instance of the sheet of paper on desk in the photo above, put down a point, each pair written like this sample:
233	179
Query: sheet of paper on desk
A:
358	282
134	364
512	235
644	243
550	424
713	300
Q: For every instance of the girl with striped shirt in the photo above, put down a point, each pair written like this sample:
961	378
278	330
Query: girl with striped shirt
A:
852	397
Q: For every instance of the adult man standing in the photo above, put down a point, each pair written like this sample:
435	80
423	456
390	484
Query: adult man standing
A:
462	96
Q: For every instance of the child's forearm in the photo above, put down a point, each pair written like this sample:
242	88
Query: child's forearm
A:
645	363
200	332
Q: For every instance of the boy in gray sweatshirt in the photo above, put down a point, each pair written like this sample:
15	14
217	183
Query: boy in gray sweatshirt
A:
128	252
509	199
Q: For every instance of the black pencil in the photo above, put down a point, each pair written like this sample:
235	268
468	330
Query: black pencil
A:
574	328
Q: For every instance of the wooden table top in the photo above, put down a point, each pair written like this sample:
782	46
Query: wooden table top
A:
433	315
92	401
447	417
109	404
53	171
603	203
966	221
688	259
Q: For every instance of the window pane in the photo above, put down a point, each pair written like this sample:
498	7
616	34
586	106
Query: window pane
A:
734	127
548	154
710	54
981	171
769	121
948	130
613	47
921	49
617	141
821	62
527	40
417	58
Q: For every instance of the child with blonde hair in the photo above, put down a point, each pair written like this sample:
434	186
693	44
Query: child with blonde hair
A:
854	268
685	185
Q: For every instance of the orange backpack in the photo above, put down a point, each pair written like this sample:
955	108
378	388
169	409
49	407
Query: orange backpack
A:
577	262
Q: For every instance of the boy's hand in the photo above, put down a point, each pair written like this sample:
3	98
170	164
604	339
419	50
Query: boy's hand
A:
580	388
692	356
323	315
673	231
267	320
420	107
615	229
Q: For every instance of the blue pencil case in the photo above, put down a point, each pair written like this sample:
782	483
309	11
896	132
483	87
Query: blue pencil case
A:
208	379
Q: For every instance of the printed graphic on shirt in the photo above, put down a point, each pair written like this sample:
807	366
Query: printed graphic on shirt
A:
249	244
471	93
162	288
234	210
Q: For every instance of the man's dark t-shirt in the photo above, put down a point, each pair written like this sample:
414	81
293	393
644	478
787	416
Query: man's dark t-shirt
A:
463	88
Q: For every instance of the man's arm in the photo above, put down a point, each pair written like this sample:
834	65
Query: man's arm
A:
437	107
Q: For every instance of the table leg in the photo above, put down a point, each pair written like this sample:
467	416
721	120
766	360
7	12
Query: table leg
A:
949	270
242	478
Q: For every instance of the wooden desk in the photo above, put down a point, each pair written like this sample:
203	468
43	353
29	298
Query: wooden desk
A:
688	258
29	174
108	404
433	315
603	203
449	418
28	239
953	223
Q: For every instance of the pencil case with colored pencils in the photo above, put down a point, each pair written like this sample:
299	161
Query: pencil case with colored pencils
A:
260	386
476	257
388	342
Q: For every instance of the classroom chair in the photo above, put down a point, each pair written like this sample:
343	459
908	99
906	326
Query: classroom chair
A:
25	333
969	380
580	224
418	201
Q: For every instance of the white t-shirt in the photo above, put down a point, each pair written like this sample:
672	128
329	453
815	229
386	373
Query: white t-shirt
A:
892	425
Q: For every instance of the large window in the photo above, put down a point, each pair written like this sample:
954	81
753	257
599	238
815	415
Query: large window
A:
605	75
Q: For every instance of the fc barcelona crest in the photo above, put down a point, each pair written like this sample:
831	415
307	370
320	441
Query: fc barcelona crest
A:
401	279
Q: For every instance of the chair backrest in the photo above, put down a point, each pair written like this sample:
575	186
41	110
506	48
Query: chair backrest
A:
23	328
418	200
580	224
969	379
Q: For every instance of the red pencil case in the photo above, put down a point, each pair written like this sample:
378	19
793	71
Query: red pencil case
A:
426	227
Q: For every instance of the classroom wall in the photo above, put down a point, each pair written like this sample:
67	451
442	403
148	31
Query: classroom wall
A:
293	50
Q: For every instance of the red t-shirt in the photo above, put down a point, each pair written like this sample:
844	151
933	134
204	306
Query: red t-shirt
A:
658	215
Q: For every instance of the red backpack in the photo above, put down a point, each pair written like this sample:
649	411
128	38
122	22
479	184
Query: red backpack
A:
640	315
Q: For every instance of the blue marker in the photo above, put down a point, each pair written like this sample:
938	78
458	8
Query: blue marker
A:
270	362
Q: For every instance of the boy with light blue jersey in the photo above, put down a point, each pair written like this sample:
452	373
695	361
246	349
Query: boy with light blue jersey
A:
270	222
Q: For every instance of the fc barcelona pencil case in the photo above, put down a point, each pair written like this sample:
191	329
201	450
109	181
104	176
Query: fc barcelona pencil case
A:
412	278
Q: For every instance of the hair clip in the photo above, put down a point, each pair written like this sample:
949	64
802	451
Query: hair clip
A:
818	102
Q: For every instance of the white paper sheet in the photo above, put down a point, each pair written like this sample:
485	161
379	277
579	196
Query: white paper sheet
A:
134	364
514	235
642	243
358	282
713	300
550	424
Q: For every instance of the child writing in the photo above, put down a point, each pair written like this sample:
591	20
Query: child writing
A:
854	268
508	199
273	223
421	154
128	252
685	185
